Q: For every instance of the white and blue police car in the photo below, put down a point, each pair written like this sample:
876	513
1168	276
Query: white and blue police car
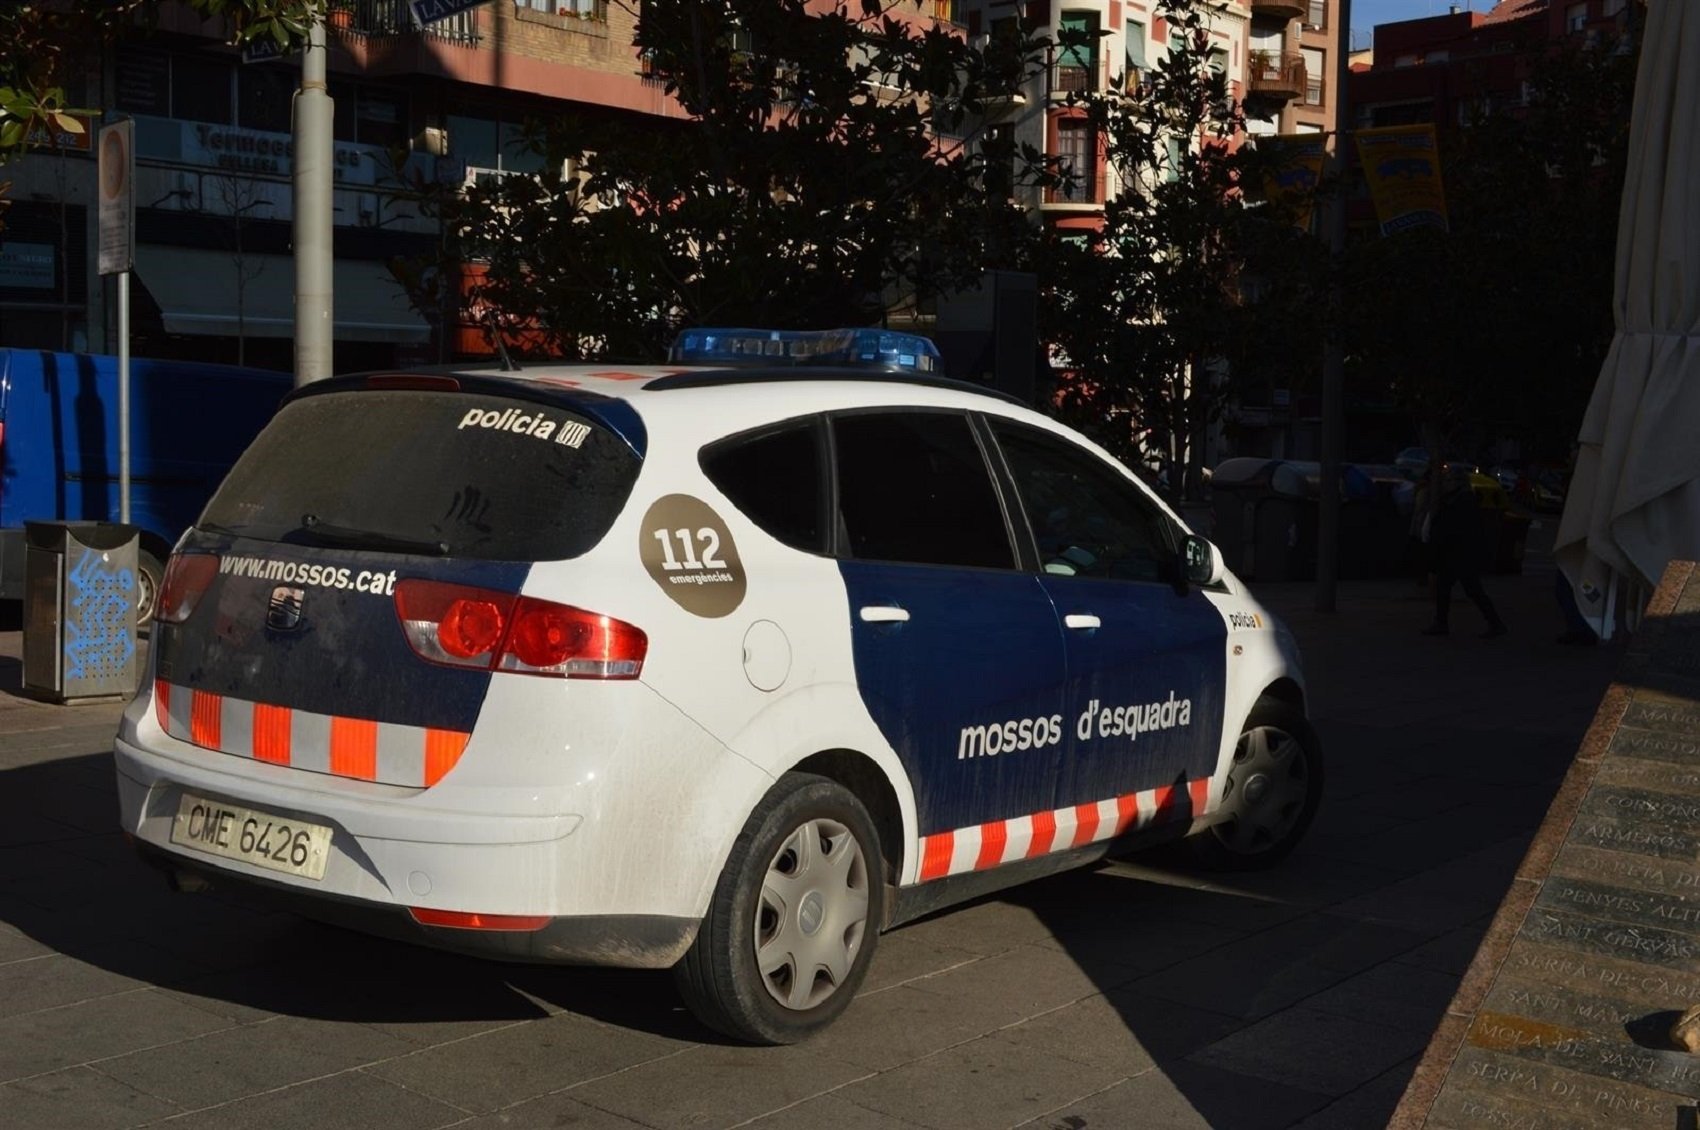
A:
726	665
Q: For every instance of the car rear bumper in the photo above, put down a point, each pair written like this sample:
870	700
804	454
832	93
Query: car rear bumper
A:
641	941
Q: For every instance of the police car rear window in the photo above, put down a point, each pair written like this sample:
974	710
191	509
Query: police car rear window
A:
458	474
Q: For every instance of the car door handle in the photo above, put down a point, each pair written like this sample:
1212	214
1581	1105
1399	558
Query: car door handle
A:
1084	621
884	614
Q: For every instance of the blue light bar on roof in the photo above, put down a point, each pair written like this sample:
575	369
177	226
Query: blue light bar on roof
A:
850	348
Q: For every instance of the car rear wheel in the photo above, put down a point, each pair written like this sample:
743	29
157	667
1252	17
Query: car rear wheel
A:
794	919
1273	789
150	575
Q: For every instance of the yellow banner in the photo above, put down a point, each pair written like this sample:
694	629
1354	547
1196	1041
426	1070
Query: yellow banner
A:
1298	160
1402	166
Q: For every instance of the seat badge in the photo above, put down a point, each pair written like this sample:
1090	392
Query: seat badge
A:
283	612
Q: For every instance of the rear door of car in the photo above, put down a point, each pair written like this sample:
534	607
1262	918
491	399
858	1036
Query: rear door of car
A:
958	654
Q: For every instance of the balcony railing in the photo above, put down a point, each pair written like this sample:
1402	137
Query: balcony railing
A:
382	18
1071	78
1276	74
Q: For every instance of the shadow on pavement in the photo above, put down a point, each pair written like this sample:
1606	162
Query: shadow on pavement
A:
69	881
1298	996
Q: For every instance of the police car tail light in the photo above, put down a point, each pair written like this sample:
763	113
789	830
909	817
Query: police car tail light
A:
557	639
187	578
463	626
455	625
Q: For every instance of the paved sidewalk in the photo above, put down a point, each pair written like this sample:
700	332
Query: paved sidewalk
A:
1126	995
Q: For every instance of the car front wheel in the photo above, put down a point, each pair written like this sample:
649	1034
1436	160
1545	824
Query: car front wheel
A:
794	919
1273	789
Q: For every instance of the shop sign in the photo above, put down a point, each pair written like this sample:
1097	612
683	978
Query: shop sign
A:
26	266
426	12
261	152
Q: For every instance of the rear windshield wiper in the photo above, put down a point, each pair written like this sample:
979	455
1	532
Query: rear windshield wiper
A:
325	533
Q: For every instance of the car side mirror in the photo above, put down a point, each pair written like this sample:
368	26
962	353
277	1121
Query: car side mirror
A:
1201	562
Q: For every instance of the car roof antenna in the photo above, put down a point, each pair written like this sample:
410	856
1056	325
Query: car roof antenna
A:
509	365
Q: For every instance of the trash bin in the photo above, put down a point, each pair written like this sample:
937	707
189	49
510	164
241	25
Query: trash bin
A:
79	610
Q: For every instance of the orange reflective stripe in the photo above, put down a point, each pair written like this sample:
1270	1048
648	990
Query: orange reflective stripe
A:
1085	823
354	748
936	851
442	749
1127	812
271	733
1044	830
204	711
993	837
1200	790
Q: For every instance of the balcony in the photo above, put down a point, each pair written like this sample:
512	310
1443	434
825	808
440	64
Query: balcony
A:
378	19
1069	78
1276	75
1278	9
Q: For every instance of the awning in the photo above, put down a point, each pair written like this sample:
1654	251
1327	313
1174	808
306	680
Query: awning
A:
1634	502
197	292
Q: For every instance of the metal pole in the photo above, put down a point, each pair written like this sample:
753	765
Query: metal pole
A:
1333	350
124	396
313	256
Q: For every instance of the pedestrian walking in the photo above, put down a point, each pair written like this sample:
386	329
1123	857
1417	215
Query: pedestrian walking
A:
1457	537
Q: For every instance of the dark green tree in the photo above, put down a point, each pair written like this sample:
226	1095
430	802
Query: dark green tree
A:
1166	313
1497	328
827	172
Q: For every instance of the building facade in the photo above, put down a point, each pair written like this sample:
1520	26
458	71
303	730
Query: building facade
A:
1278	56
1448	69
214	278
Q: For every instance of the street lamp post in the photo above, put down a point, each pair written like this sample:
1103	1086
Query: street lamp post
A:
1333	350
313	203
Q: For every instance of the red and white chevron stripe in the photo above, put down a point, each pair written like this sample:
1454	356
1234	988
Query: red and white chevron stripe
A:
392	754
980	846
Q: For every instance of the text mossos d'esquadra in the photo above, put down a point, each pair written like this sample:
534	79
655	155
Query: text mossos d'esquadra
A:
1020	734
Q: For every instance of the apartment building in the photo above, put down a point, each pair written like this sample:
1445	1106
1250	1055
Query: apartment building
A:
1448	68
1277	56
214	279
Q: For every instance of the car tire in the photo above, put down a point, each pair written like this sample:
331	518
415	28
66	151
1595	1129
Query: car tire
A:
150	575
794	920
1273	789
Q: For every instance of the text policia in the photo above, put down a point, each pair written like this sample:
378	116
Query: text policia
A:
1021	734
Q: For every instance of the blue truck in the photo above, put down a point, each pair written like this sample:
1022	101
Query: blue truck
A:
59	447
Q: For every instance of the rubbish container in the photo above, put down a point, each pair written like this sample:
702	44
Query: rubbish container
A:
79	610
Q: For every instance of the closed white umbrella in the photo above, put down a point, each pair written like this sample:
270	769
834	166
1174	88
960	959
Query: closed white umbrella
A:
1634	501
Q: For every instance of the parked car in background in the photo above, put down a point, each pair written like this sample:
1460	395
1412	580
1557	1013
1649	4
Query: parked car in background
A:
1412	463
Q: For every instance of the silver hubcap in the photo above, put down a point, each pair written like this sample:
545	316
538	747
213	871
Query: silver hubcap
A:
1267	788
146	594
812	914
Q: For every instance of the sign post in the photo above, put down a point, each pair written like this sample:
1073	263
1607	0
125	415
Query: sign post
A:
117	196
427	12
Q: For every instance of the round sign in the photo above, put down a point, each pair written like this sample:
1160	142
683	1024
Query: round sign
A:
113	166
689	552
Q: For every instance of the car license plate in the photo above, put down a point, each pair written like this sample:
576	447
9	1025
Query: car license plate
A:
274	842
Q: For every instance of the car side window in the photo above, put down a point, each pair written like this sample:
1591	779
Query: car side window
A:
776	479
1087	519
914	487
